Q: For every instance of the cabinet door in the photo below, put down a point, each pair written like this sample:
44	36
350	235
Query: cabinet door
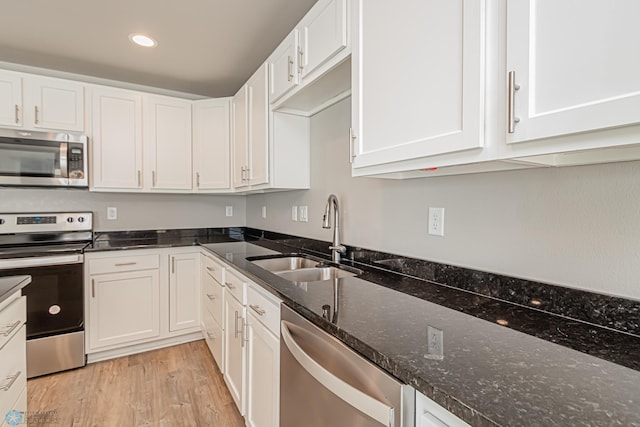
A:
54	104
258	128
235	351
576	64
240	137
117	139
123	308
168	140
283	67
184	291
323	33
263	376
10	99
422	91
213	336
211	144
430	414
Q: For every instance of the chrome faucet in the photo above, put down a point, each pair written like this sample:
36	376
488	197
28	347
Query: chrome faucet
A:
336	247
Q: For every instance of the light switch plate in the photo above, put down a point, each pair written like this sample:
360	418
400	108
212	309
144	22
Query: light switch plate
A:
304	210
112	213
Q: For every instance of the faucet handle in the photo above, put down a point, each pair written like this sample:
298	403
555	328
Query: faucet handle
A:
340	248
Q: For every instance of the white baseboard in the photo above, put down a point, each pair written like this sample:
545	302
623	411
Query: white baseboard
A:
141	348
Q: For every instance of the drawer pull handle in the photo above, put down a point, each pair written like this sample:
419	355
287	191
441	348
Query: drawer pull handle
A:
211	336
124	264
12	379
93	288
230	285
211	269
211	297
257	309
236	325
12	327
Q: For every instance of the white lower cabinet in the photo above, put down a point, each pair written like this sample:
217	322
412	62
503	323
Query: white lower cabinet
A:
263	358
235	349
212	298
13	357
430	414
138	300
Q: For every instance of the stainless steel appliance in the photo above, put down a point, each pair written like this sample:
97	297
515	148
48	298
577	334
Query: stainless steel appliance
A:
49	247
43	159
325	384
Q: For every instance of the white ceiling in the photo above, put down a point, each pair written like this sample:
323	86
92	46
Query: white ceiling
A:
206	47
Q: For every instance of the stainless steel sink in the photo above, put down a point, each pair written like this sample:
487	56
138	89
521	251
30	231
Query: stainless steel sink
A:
301	269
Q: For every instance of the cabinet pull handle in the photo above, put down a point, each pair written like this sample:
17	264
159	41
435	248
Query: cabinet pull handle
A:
211	336
139	177
173	265
36	114
236	328
153	178
211	297
211	269
198	179
290	68
511	107
352	140
257	309
12	379
242	173
123	264
230	285
93	288
248	170
300	62
17	114
9	329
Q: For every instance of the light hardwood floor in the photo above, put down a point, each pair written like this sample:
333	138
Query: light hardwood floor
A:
175	386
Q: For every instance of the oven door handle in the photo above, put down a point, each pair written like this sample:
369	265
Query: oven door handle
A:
6	264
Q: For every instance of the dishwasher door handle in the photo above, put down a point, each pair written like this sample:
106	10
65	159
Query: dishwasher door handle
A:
364	403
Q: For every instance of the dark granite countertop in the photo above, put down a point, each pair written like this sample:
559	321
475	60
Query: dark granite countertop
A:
571	359
11	284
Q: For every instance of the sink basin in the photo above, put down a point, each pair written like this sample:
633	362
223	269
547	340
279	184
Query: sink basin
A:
302	269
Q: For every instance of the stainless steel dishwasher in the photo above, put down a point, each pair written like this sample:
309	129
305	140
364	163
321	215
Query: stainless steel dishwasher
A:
323	383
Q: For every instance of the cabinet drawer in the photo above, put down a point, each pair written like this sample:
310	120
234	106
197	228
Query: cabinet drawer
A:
14	315
13	370
235	284
19	405
213	337
266	308
124	263
213	268
212	294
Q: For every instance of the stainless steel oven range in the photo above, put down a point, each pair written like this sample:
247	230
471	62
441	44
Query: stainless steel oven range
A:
49	247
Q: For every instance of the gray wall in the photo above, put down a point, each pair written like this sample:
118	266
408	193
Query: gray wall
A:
577	226
135	211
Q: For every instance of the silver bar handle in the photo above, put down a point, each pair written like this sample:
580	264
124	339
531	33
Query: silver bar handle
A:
230	285
93	288
6	264
17	114
124	264
236	327
511	107
257	309
173	265
12	327
352	139
153	178
36	113
12	379
198	179
211	297
366	404
139	177
211	269
300	60
290	68
248	170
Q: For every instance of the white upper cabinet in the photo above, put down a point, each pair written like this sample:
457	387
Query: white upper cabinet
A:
418	70
240	137
116	139
41	103
258	129
168	139
211	144
322	34
576	65
283	67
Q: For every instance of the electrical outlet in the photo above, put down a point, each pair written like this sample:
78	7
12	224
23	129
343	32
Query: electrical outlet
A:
294	213
264	212
229	210
112	213
436	221
304	210
435	343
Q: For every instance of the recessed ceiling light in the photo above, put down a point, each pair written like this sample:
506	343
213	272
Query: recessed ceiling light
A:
143	40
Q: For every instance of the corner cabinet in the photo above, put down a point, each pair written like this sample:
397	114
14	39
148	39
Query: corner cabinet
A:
41	103
184	291
212	145
167	136
418	84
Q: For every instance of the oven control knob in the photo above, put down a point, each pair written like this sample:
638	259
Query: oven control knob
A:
70	219
80	219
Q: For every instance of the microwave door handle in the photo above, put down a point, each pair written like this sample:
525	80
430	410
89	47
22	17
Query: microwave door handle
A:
64	168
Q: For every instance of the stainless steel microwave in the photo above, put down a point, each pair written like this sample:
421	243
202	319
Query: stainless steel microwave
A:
43	159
